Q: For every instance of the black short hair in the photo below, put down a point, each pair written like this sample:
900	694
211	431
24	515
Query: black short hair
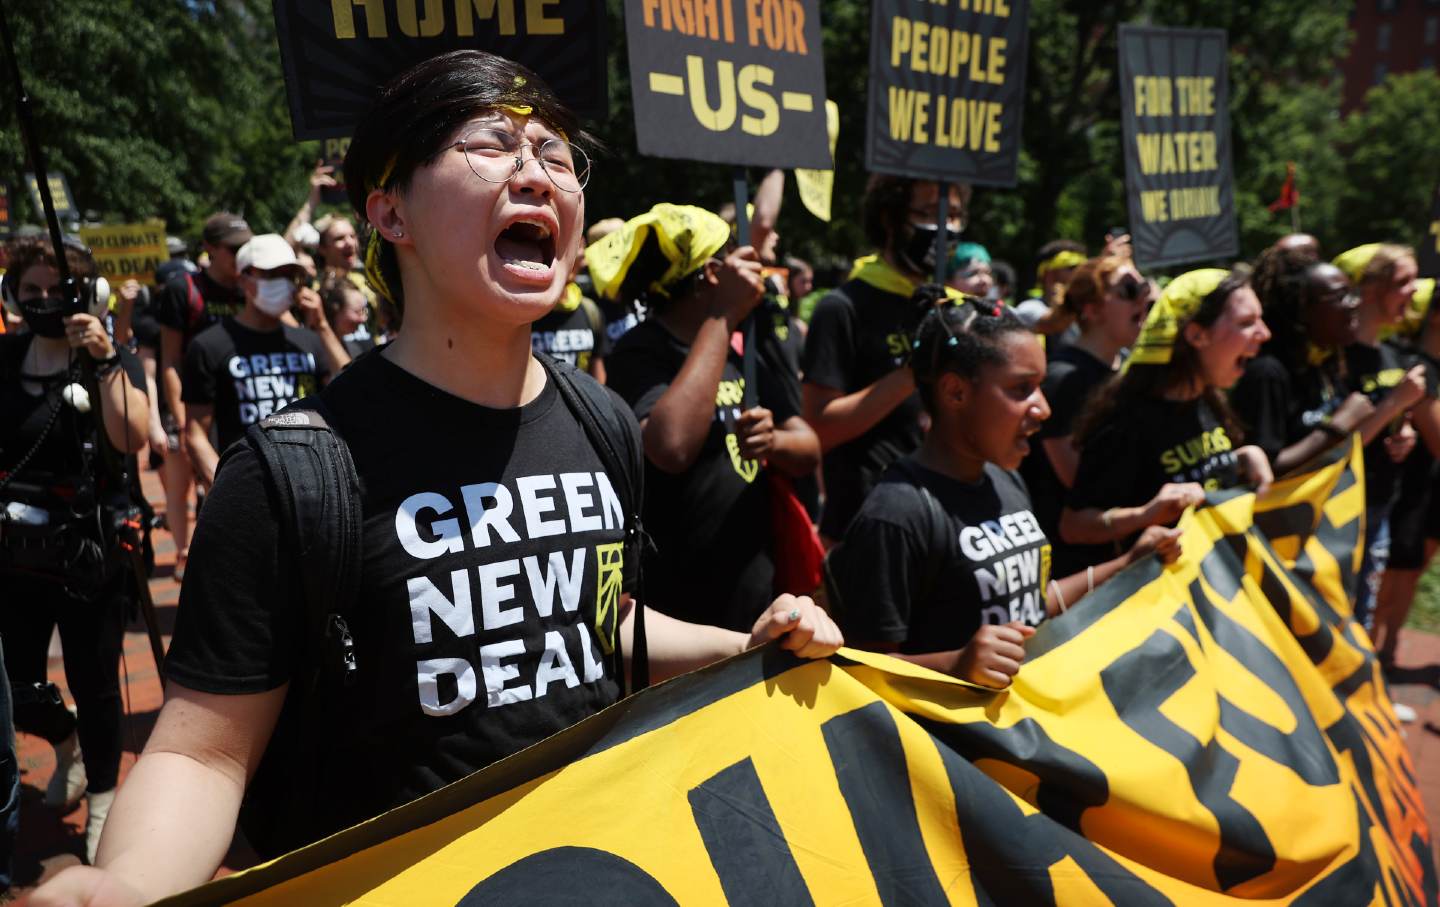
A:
960	338
417	112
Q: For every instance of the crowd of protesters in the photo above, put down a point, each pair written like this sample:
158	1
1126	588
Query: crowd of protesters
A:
970	460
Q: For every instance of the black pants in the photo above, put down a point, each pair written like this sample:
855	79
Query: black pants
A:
91	635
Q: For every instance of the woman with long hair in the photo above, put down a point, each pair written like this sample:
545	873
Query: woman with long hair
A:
1160	434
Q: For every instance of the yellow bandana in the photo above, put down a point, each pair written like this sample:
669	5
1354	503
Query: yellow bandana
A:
1354	261
1414	318
688	237
1177	304
570	299
1060	261
885	277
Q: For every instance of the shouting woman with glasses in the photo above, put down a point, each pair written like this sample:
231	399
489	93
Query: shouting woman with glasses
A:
1108	299
493	535
946	564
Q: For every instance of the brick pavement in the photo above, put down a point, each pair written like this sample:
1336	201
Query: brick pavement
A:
49	841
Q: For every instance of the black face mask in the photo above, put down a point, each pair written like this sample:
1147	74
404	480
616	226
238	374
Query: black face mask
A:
918	252
45	316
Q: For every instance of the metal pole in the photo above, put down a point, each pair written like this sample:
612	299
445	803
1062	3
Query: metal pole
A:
942	234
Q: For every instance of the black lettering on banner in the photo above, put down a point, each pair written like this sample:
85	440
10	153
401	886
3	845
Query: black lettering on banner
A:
572	877
870	767
1174	103
1138	684
744	840
1009	852
336	54
729	81
947	89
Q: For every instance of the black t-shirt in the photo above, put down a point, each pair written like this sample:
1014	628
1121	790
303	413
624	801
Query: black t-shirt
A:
711	523
174	309
857	336
1374	372
572	335
1279	408
23	415
1070	378
619	319
492	552
247	375
896	582
1128	459
781	346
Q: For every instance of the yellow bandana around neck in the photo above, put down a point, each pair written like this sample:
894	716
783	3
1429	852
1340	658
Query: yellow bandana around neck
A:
570	299
885	277
687	236
1176	305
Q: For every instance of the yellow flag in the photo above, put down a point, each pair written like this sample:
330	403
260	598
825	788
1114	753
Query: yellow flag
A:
817	186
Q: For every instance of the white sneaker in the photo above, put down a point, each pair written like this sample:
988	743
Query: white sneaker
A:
1406	714
67	785
99	807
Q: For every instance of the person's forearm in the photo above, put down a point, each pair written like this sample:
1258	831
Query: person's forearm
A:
1054	321
944	662
302	216
1386	411
796	449
335	354
147	847
126	411
679	423
1075	587
122	321
202	455
768	197
1305	450
1426	418
1089	526
852	415
676	647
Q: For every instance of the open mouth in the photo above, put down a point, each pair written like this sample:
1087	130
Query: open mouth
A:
528	246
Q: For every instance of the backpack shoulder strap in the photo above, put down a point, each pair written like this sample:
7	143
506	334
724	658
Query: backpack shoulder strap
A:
318	494
619	449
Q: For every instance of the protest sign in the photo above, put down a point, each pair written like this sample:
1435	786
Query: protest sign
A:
127	251
333	156
65	207
1429	249
336	54
947	89
729	81
1215	731
1174	104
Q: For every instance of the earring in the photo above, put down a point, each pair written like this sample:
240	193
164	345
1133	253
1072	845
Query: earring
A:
399	233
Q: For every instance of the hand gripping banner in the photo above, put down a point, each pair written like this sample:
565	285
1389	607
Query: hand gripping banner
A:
1207	733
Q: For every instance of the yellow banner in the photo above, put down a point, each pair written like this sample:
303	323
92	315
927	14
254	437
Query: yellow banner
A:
127	251
1212	732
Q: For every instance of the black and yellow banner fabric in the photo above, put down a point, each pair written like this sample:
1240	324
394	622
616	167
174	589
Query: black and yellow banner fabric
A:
947	89
729	81
1175	112
1213	732
337	53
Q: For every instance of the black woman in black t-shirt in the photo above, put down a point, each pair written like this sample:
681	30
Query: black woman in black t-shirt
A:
1295	399
1108	299
946	565
1154	439
492	532
59	567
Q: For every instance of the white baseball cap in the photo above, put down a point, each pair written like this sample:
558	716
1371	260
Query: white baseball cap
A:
266	252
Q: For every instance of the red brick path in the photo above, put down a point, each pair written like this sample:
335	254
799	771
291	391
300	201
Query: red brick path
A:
49	841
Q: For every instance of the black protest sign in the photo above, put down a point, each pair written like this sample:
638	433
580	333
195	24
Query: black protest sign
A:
1429	249
729	81
65	207
1174	100
334	158
947	89
336	54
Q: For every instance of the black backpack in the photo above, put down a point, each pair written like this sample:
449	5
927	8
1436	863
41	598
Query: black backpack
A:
317	499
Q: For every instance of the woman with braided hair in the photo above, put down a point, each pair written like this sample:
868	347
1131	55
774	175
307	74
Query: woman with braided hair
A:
916	573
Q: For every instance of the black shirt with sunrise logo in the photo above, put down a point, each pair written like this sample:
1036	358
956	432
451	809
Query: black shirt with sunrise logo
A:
1126	461
576	336
1279	407
858	335
1375	371
711	523
492	566
929	559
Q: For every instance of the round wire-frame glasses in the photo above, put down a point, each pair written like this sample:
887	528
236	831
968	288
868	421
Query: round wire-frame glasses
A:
495	157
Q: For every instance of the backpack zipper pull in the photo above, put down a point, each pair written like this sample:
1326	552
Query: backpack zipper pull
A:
338	628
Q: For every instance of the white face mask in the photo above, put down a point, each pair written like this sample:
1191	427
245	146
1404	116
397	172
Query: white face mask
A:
273	295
